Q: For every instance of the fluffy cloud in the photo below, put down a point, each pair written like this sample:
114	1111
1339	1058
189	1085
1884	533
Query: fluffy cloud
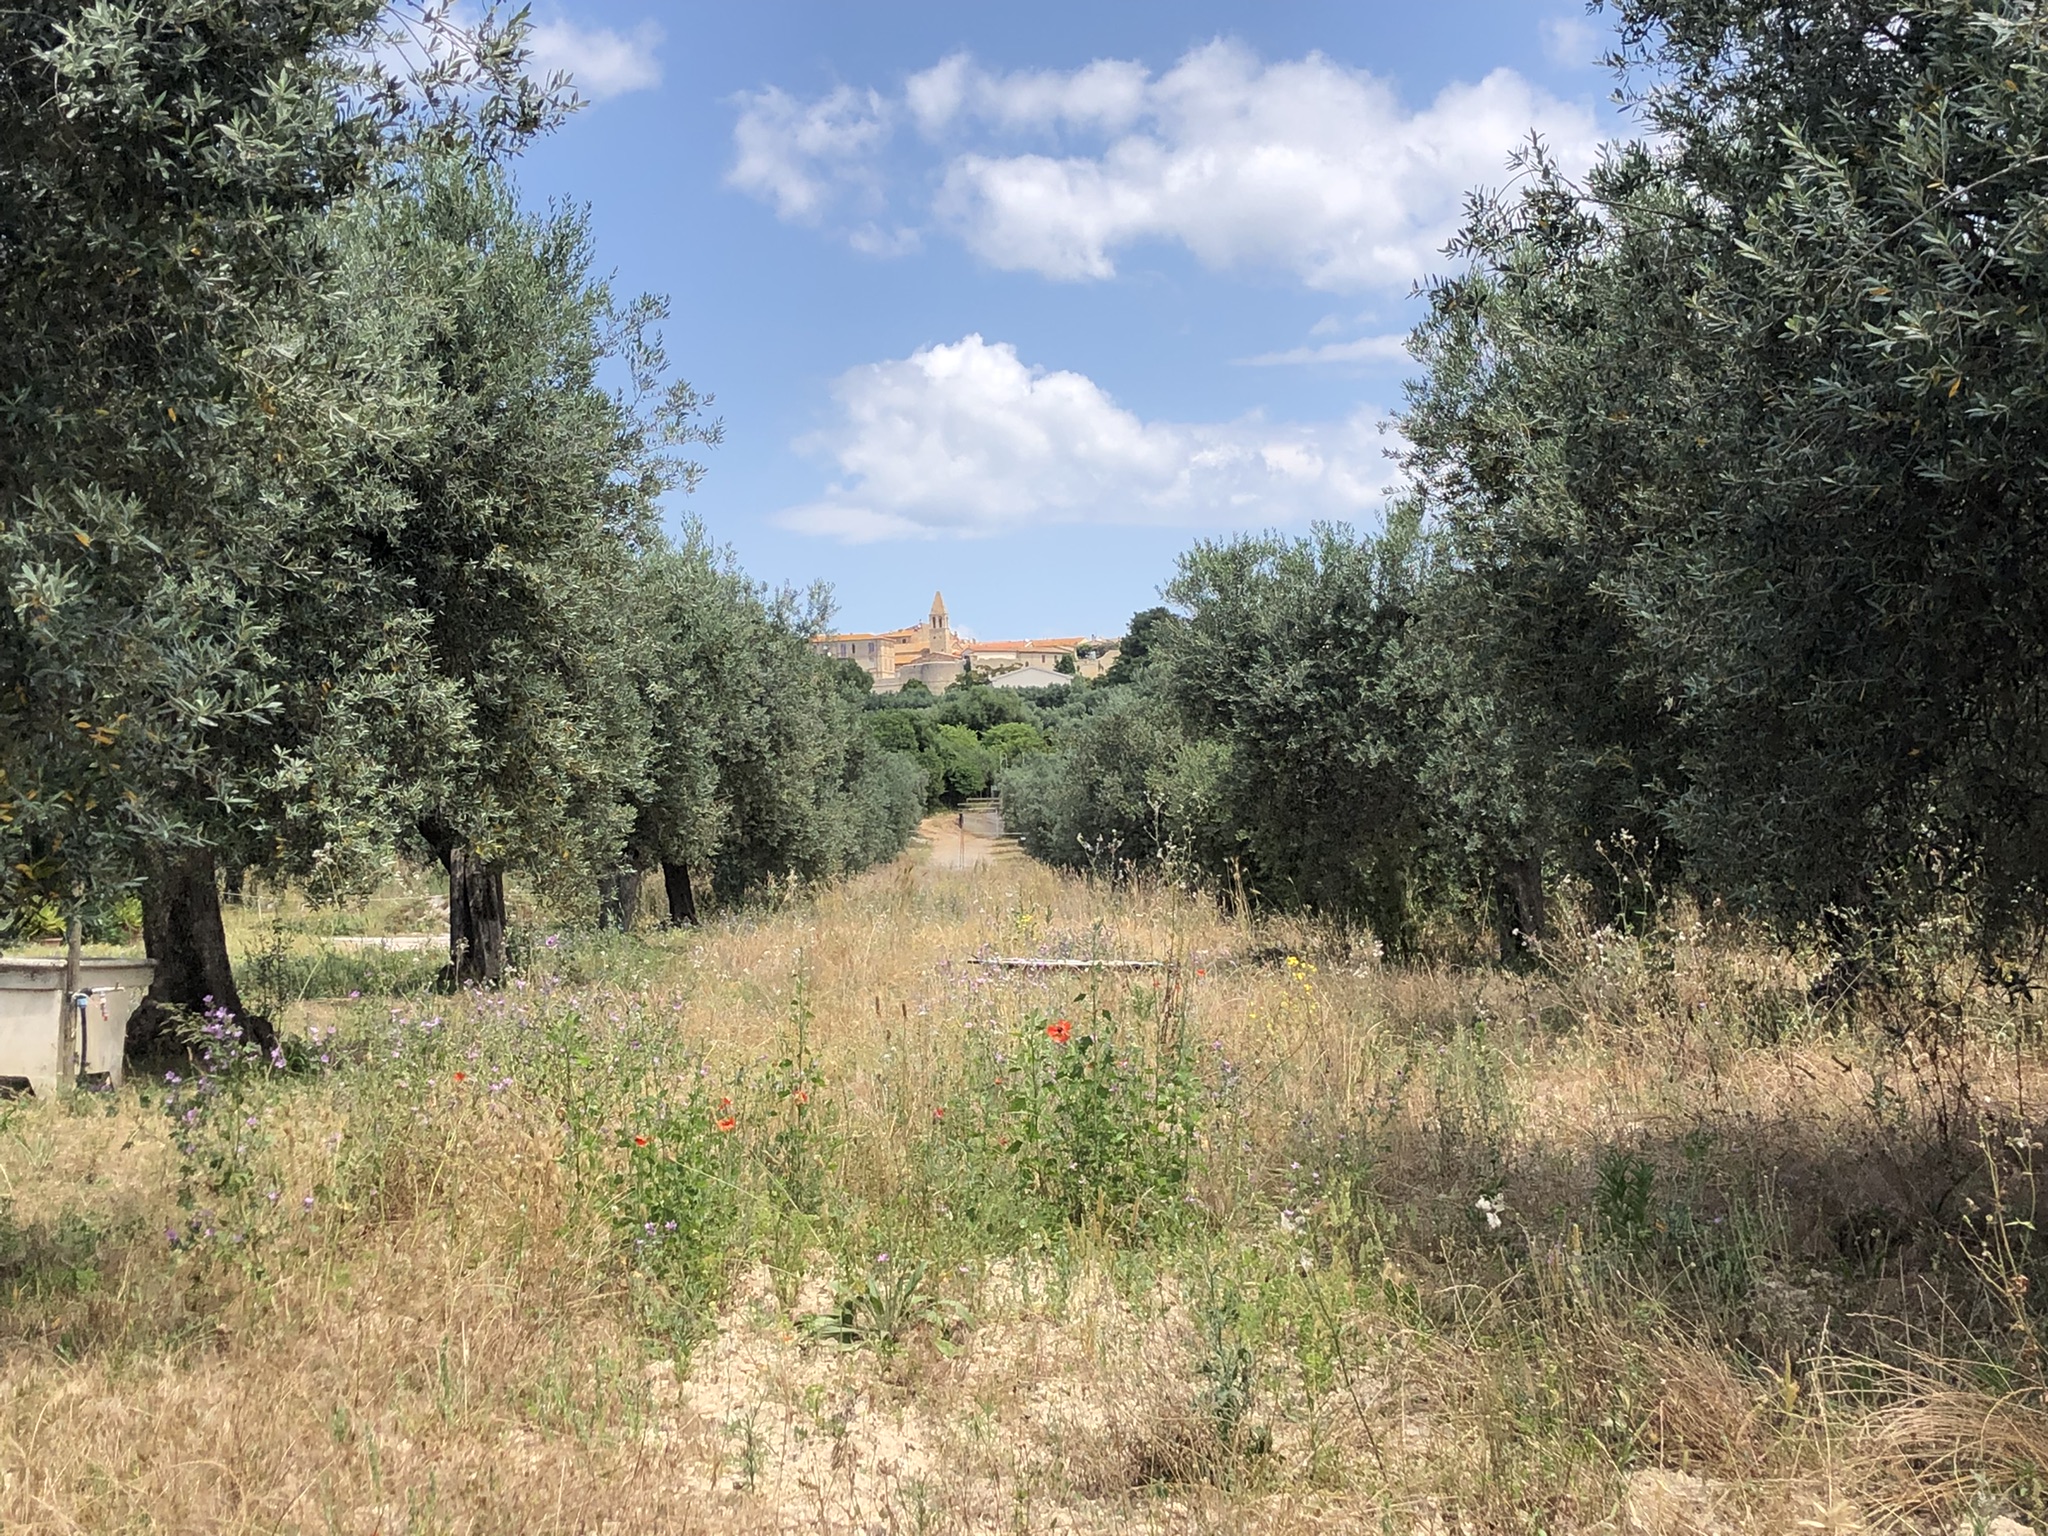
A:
1302	166
796	154
1307	167
968	439
603	63
1108	95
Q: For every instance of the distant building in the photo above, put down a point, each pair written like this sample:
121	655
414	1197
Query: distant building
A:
933	654
926	651
1033	676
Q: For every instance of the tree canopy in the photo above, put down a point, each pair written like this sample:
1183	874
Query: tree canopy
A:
1713	570
332	500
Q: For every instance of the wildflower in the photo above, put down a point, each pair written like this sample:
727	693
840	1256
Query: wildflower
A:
1060	1031
802	1095
639	1141
458	1077
307	1202
728	1123
939	1113
1490	1209
553	941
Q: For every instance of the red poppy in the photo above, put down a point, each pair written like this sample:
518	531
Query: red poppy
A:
1061	1031
458	1077
803	1095
639	1141
728	1123
939	1113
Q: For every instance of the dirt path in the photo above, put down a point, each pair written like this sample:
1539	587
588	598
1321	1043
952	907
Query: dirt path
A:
966	839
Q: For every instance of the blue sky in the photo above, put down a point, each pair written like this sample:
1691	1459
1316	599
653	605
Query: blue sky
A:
1019	301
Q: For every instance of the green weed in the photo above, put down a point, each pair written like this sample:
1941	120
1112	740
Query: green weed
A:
1061	1123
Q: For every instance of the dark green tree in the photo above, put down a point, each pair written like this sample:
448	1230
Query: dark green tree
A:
1290	655
1752	415
1141	640
1127	792
1850	615
810	793
697	620
517	509
164	172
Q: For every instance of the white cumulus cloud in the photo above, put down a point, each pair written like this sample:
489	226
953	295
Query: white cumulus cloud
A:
968	439
603	63
1308	167
1304	166
797	154
1107	95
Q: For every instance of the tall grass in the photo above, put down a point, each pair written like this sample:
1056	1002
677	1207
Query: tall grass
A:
807	1221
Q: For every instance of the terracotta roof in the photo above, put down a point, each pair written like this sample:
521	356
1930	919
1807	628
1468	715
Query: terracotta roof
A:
886	634
1024	645
965	648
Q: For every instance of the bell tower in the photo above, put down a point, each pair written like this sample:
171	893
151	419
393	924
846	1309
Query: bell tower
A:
942	633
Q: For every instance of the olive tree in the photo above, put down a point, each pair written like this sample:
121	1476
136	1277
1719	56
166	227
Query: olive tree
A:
517	510
164	169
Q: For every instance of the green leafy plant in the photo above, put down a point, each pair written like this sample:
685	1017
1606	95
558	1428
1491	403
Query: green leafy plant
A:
1072	1122
886	1308
676	1198
1623	1195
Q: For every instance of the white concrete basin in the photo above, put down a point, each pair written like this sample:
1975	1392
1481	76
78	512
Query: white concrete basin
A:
40	1027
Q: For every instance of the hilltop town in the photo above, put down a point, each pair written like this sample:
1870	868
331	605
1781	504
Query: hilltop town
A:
932	653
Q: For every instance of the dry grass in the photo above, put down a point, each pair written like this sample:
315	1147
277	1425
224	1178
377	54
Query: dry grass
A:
1743	1277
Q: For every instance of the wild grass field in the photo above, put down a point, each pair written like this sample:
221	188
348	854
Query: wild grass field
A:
806	1221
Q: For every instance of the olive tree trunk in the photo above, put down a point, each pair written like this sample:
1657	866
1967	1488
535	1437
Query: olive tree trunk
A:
618	900
1523	915
183	936
682	901
476	920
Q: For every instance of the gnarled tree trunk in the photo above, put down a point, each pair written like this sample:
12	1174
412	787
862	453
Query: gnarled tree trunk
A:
476	920
682	901
182	934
